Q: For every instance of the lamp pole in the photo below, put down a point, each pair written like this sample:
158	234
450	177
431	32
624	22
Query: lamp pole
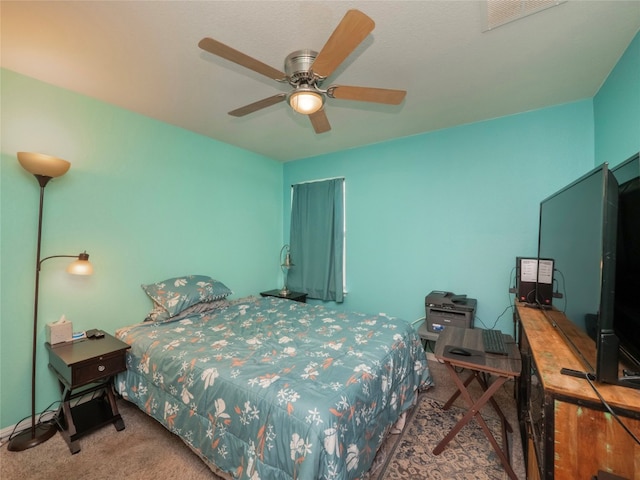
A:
42	432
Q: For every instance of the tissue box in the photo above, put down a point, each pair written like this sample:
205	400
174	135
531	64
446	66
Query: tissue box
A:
58	332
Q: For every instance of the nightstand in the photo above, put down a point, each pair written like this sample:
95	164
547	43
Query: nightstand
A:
83	367
295	296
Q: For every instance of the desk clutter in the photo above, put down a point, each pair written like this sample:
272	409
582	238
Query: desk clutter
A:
447	309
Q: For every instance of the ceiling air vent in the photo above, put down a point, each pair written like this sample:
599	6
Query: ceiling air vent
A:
499	12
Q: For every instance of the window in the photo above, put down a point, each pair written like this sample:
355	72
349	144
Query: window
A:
317	239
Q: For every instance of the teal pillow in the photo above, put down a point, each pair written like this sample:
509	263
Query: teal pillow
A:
177	294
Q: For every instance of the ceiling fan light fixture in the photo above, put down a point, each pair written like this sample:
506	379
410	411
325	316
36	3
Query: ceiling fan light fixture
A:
306	101
306	70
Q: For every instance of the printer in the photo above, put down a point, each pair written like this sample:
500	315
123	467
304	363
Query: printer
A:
444	309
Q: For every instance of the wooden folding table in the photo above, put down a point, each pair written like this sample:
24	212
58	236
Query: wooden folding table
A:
491	372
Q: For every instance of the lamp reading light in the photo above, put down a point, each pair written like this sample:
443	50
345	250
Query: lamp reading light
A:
306	100
81	266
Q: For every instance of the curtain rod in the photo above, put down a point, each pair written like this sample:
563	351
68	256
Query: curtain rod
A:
320	180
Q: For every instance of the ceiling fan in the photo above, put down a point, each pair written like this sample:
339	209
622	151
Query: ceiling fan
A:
306	70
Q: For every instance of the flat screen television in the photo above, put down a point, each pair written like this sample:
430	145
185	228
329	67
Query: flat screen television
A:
579	229
626	321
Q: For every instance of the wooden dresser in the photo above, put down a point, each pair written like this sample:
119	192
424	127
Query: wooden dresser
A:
567	431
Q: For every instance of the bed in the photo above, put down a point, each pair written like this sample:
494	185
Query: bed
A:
266	388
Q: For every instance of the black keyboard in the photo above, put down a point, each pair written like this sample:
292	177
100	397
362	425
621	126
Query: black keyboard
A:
494	342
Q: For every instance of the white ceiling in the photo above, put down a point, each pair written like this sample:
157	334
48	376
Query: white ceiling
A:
143	56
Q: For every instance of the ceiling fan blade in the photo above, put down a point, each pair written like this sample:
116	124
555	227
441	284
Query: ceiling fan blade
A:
350	32
367	94
320	121
220	49
259	105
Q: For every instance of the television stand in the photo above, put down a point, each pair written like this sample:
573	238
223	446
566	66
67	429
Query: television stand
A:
561	417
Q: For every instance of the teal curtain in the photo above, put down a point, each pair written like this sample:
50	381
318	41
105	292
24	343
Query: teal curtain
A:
316	239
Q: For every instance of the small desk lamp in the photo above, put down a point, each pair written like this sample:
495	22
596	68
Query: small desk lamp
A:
44	168
285	265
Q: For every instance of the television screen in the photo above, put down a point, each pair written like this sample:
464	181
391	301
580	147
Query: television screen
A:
626	323
578	227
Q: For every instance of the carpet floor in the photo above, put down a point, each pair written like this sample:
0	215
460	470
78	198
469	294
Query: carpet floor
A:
146	450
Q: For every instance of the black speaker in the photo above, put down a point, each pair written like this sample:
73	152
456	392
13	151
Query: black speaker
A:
544	285
534	280
607	357
526	275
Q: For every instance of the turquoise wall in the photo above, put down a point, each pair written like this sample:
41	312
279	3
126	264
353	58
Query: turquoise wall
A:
617	110
445	210
146	200
450	210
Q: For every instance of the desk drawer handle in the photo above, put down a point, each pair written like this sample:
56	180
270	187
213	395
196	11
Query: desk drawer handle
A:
101	368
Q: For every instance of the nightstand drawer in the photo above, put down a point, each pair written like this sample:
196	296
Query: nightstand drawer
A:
98	368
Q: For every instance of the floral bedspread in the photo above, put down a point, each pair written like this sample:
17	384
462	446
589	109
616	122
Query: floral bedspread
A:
274	389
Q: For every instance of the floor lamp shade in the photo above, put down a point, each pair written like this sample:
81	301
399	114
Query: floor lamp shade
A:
41	164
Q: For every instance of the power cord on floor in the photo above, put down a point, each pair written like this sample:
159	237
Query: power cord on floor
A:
15	432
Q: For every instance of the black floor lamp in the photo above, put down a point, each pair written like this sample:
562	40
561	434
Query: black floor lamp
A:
44	168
